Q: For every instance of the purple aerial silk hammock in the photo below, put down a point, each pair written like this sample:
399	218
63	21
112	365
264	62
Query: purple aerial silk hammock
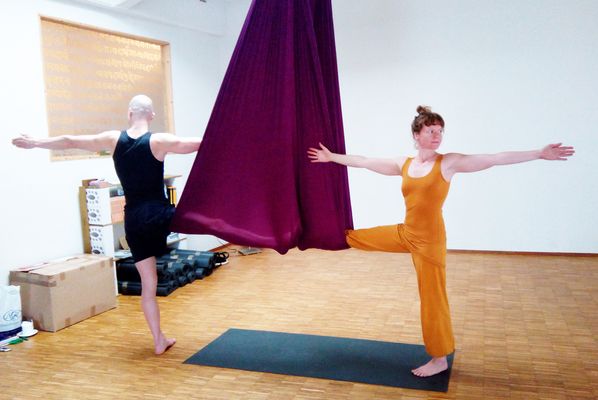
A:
252	182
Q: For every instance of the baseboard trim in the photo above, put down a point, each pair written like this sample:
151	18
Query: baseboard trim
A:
520	253
496	252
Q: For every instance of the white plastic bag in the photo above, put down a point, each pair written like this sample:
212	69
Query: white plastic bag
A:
10	308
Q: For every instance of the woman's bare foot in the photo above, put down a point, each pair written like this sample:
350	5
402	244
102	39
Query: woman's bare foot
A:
435	366
164	344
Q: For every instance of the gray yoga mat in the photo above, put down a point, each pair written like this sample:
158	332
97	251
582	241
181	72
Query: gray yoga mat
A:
343	359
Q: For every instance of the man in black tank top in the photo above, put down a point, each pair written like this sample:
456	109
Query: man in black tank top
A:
138	156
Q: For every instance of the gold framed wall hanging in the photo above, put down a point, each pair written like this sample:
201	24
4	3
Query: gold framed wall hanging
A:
90	76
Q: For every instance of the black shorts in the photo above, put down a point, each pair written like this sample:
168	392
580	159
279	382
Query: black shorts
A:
147	226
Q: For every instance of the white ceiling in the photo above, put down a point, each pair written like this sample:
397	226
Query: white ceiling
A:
116	4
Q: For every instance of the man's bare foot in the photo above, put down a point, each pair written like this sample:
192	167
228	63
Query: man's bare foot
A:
435	366
164	344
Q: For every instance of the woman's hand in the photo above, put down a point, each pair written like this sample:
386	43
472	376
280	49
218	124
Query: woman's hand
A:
556	152
319	155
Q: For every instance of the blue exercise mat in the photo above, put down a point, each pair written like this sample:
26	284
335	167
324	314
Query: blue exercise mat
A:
353	360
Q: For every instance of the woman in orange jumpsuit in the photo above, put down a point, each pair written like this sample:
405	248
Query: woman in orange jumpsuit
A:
426	181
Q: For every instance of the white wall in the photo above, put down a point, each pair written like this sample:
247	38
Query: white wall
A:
235	14
39	200
505	75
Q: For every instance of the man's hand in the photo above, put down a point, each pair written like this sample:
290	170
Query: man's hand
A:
24	142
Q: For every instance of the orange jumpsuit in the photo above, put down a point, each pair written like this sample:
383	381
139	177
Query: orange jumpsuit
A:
423	235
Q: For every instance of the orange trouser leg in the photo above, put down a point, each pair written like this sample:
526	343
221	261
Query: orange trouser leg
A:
431	279
380	238
435	313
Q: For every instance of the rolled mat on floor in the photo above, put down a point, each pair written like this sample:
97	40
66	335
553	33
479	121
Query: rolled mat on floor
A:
127	271
197	260
169	277
205	262
201	273
218	257
181	269
134	288
174	269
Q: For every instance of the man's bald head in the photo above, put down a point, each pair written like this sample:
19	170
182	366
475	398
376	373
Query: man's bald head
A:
141	106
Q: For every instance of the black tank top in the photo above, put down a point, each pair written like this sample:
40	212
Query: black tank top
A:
141	174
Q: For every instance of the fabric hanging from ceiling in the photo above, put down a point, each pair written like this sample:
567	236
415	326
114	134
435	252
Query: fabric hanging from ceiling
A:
252	183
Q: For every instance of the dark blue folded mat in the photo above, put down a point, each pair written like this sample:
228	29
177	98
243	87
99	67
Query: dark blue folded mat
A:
353	360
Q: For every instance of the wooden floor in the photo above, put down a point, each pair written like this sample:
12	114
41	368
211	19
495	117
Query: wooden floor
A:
526	328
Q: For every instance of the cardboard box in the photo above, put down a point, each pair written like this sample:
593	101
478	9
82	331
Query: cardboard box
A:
117	209
63	292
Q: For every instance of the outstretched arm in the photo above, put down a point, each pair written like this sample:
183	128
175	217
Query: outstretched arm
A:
456	163
384	166
99	142
164	143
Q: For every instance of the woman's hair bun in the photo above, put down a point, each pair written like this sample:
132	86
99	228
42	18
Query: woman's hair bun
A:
423	109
